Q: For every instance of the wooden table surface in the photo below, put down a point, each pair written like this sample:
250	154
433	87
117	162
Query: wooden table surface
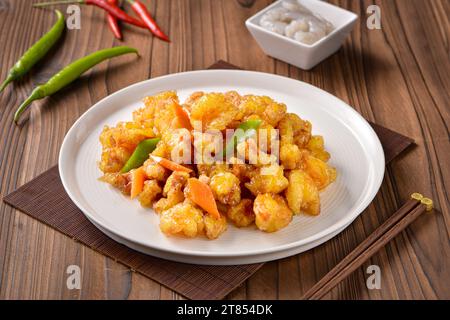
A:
397	77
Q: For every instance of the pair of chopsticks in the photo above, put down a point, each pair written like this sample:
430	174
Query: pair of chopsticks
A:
404	216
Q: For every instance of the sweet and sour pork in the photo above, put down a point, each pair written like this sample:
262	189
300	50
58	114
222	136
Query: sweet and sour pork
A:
265	194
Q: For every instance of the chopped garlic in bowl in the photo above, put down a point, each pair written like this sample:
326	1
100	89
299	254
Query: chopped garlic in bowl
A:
297	22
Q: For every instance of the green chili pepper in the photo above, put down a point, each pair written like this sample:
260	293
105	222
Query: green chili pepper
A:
36	52
140	154
248	129
70	73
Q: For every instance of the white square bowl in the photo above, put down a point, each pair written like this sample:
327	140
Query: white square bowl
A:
298	54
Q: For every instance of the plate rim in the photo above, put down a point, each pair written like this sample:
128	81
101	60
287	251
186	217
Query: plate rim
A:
341	224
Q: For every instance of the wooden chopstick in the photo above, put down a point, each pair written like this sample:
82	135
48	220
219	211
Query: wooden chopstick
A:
413	208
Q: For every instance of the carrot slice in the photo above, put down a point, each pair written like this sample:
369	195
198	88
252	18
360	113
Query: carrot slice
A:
183	118
200	193
170	164
137	181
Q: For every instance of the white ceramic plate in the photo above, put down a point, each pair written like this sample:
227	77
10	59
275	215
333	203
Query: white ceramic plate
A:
355	151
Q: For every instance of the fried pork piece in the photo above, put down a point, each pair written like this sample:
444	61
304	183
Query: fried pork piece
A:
294	130
271	212
266	108
321	173
214	227
113	159
173	191
248	150
176	181
290	156
302	193
242	170
162	150
225	187
234	97
154	170
192	99
118	180
266	133
317	147
242	215
211	169
182	219
149	193
125	134
269	179
206	146
118	144
174	144
295	133
158	112
213	111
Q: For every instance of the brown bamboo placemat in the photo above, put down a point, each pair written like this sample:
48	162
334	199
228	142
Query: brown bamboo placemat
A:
44	199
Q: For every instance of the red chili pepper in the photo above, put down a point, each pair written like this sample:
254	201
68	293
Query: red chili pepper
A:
143	13
112	20
113	10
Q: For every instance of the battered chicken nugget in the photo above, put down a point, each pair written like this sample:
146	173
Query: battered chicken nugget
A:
176	182
266	136
294	130
271	212
155	171
173	191
214	227
159	112
225	187
206	146
267	109
146	116
317	147
164	116
177	145
290	156
213	111
183	219
234	97
248	150
242	215
113	159
149	193
125	135
118	144
321	173
269	179
302	194
211	169
192	99
241	170
118	180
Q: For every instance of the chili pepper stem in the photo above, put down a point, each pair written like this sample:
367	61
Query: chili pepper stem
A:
35	95
7	81
50	3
